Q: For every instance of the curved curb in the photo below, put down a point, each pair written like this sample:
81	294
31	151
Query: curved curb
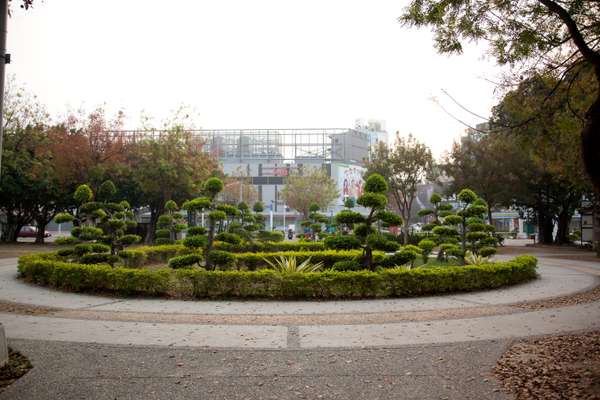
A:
554	281
509	322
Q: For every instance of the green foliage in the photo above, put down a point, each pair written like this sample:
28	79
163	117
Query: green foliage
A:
107	191
474	259
375	183
44	269
389	218
86	233
350	265
196	230
83	194
426	247
270	246
310	187
444	230
222	259
380	242
184	261
66	240
133	258
216	215
258	207
402	257
466	196
227	237
271	236
349	218
372	200
213	186
195	241
342	242
65	252
289	265
98	258
102	220
254	260
84	248
62	218
487	251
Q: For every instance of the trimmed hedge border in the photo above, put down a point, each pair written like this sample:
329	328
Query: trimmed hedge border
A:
46	270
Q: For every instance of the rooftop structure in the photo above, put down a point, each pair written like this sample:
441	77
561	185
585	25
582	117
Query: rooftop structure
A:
272	145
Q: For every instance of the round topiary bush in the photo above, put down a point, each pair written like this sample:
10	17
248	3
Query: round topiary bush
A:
184	261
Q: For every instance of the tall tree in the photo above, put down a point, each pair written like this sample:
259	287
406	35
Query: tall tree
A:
404	166
488	163
307	187
168	168
561	38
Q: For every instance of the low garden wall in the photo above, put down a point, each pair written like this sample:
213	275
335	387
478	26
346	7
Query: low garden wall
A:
49	270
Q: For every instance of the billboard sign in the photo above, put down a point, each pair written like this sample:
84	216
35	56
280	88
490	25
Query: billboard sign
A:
349	180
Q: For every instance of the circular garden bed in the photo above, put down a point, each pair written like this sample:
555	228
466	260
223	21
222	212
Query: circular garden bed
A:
144	271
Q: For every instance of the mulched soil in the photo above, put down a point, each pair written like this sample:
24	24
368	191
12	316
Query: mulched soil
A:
17	366
570	300
556	367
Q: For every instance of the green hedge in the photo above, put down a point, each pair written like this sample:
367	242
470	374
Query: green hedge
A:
46	269
270	246
254	261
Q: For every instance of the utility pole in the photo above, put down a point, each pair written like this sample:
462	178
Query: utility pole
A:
3	61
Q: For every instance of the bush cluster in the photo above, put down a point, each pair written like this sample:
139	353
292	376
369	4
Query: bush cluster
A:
47	269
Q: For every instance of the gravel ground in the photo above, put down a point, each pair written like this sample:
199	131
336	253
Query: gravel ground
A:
557	367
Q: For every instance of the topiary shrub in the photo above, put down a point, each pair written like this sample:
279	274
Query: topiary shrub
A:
133	258
350	265
222	259
487	251
230	238
184	261
99	258
342	242
400	258
380	242
102	220
426	247
270	236
196	230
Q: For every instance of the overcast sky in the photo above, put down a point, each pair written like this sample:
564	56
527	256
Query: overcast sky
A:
248	64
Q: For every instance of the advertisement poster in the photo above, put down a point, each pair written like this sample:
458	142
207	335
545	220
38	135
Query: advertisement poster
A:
350	181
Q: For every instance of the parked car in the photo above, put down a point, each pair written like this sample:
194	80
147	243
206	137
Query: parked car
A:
29	231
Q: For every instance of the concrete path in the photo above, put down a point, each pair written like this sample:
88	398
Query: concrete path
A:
97	347
107	326
555	280
76	371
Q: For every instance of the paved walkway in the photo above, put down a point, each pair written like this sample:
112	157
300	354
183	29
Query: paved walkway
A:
439	347
303	324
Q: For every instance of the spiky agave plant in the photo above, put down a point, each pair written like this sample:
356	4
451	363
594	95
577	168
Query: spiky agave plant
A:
474	259
286	265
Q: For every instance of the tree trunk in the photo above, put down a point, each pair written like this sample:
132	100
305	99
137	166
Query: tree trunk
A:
41	231
590	149
405	231
545	228
209	244
564	222
369	257
154	213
